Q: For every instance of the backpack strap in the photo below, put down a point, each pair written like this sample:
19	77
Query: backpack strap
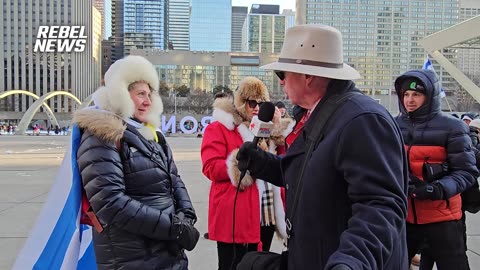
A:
320	120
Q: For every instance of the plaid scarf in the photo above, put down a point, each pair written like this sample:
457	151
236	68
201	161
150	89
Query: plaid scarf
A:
267	208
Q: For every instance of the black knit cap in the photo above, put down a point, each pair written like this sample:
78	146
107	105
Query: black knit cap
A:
413	84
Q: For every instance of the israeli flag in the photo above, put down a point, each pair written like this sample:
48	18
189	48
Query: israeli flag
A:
428	65
58	240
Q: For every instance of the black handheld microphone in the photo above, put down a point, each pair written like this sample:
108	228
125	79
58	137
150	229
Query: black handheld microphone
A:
261	126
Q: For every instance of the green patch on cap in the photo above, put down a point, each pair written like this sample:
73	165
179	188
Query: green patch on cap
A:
413	85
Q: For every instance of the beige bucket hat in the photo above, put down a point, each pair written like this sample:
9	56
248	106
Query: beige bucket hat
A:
314	49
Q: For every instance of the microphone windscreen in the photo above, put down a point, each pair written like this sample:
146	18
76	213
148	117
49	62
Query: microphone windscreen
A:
266	112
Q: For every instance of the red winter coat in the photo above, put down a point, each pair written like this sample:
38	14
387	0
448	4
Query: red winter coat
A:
218	142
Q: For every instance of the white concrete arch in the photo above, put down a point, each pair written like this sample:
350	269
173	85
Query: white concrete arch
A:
28	116
456	34
47	108
86	102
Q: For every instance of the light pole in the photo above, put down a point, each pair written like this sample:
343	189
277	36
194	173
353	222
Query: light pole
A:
175	100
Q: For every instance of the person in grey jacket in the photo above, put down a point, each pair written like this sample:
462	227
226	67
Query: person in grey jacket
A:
129	175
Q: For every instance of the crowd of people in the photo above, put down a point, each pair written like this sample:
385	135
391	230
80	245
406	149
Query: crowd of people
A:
7	129
343	183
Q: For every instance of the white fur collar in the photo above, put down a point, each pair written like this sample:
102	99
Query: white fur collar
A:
245	132
223	117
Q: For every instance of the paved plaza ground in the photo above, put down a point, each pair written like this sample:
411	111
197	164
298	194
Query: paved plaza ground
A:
28	166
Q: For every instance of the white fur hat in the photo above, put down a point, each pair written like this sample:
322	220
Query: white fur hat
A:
114	95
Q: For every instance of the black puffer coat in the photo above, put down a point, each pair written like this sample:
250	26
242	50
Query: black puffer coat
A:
134	199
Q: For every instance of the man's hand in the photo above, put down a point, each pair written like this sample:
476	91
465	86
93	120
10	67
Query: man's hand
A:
432	191
251	158
413	183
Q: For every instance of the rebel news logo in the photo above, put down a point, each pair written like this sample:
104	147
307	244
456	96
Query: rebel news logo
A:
60	39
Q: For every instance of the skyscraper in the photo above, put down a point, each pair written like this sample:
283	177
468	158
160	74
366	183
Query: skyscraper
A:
211	25
381	37
239	14
42	72
144	24
105	9
264	32
178	24
138	24
265	9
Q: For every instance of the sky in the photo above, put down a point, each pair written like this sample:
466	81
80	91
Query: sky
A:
284	4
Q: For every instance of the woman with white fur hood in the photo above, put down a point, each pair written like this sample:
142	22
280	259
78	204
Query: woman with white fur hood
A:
259	207
130	177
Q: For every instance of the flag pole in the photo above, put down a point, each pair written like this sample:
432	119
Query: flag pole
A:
448	104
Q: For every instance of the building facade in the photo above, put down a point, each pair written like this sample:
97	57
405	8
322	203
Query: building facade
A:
178	25
239	14
263	33
205	70
289	17
469	54
211	25
42	72
265	9
105	9
381	37
144	24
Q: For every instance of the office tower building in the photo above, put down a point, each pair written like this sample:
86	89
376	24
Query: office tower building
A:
469	54
239	14
265	9
381	37
211	25
264	32
178	25
138	24
105	9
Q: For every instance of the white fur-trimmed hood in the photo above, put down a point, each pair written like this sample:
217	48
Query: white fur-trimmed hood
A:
224	112
114	96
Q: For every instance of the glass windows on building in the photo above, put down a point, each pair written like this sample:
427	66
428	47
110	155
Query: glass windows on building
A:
210	25
386	32
265	33
144	24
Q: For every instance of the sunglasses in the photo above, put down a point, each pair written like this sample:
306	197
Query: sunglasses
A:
280	74
253	103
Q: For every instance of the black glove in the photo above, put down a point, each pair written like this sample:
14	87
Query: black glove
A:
413	183
431	191
174	249
184	232
251	158
341	267
189	215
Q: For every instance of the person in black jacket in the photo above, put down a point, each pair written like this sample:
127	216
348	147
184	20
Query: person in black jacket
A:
352	201
130	177
441	165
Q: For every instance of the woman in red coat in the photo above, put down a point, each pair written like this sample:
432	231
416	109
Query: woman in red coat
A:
259	207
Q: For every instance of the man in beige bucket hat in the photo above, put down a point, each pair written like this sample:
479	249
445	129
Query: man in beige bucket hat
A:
352	205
